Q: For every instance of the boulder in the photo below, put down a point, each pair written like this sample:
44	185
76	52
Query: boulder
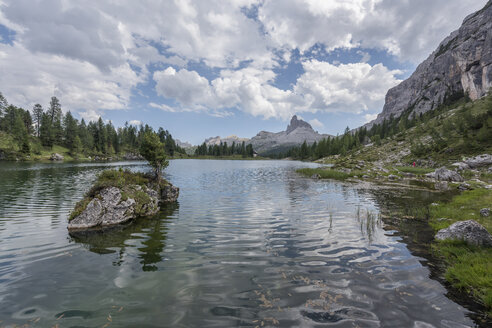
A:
105	210
443	174
56	157
465	186
393	177
469	231
460	166
316	176
479	161
112	205
485	212
169	194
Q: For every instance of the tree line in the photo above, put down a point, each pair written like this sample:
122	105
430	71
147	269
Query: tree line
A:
44	128
223	149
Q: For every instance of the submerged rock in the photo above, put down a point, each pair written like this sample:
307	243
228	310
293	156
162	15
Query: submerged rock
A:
443	174
118	197
469	231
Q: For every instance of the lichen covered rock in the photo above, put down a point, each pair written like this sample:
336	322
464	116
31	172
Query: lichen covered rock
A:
118	197
469	231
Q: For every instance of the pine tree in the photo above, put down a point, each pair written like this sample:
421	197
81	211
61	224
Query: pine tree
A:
37	112
3	104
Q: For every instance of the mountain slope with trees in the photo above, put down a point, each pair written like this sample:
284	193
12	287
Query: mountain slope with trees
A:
35	136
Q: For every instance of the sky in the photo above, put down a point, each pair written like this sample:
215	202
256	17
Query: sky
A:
216	68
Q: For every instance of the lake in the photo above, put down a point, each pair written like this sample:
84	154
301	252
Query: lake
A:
250	243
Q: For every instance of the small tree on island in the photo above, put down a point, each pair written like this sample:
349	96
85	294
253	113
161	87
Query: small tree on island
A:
152	150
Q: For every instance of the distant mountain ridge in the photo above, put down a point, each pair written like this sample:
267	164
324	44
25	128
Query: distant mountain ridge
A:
266	142
461	64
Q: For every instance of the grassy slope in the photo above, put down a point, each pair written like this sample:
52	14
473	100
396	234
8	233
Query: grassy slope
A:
396	151
469	268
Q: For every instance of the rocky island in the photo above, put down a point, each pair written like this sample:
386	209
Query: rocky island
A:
119	196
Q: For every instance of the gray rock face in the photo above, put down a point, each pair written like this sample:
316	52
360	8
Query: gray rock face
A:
462	64
109	208
478	161
469	231
169	194
297	132
56	157
443	174
485	212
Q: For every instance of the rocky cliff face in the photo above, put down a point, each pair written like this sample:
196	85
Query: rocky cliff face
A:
461	64
297	132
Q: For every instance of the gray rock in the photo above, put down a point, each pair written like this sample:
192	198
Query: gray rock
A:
478	161
56	157
393	177
105	210
108	208
316	176
169	194
464	186
485	212
460	166
469	231
365	176
462	64
443	174
408	174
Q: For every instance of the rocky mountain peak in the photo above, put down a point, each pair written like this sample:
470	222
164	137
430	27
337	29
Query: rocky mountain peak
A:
460	65
296	123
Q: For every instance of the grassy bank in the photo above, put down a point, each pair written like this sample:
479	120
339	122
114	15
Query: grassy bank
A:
468	268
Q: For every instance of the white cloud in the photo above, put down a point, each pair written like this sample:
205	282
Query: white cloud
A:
135	122
316	123
369	117
81	86
94	55
408	29
322	87
345	88
187	87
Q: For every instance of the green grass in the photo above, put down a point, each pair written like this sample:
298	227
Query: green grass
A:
468	267
326	173
414	170
117	178
465	206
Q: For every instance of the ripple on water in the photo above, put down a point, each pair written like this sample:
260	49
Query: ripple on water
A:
250	243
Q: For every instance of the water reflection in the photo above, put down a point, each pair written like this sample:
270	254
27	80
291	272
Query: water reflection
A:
252	244
151	232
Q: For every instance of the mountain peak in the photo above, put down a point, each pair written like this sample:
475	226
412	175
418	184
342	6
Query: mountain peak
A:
296	123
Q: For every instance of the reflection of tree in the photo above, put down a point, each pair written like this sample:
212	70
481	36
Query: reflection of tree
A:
114	239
